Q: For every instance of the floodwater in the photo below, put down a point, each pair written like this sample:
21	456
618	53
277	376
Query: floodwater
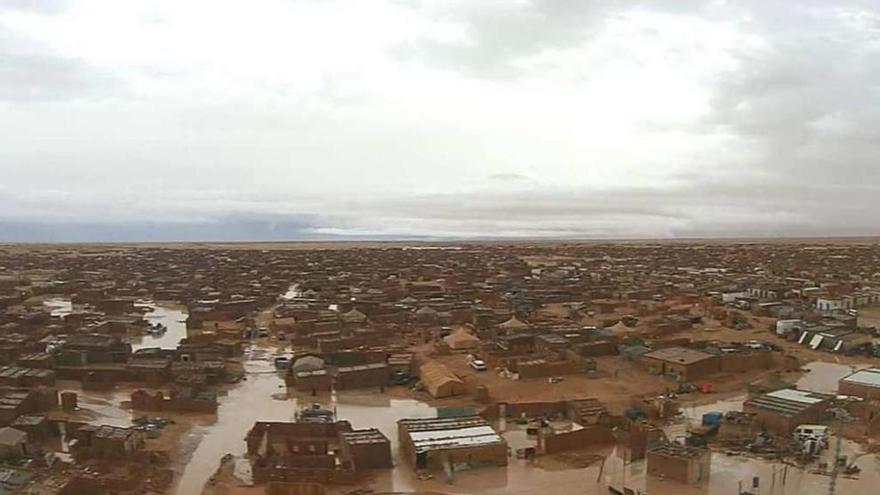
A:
823	377
58	306
365	410
263	397
775	478
99	407
172	316
292	293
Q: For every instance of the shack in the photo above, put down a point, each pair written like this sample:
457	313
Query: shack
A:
366	449
468	441
864	384
782	410
679	463
686	364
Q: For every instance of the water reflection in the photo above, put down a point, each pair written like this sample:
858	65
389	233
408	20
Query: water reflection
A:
58	306
173	317
293	292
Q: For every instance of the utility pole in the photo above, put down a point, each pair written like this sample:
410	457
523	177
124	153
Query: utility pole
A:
841	417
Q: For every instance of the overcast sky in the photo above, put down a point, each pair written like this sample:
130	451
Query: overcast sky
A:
272	119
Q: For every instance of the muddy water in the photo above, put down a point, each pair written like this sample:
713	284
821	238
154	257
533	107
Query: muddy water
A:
823	377
99	407
263	397
693	415
172	316
776	478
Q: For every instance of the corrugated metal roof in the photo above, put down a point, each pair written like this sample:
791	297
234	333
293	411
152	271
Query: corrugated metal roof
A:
463	437
796	396
870	377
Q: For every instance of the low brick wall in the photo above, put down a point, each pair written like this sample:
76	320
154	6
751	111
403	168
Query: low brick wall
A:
579	439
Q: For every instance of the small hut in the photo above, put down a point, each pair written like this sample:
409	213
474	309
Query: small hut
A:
461	339
439	381
513	325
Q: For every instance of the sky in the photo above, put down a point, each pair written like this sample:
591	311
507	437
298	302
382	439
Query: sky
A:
437	119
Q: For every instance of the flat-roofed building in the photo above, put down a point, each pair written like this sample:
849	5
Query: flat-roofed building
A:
863	383
366	449
687	364
678	462
468	440
782	410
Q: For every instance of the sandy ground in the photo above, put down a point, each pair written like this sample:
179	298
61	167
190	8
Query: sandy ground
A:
88	248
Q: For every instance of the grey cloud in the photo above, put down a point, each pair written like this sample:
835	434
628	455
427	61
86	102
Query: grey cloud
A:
500	32
805	99
706	206
30	73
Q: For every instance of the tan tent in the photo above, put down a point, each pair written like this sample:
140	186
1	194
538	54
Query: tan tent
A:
513	324
439	381
354	316
461	339
620	329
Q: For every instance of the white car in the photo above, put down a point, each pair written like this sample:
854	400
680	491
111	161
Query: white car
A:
478	364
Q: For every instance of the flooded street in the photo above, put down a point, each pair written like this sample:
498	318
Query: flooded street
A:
776	477
173	317
823	377
365	410
263	397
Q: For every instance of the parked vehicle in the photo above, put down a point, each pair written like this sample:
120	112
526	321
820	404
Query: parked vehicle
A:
809	434
477	363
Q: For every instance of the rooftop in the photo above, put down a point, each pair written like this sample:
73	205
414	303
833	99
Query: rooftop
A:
787	402
679	355
869	377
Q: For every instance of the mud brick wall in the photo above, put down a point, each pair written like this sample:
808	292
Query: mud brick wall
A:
858	390
673	468
283	488
574	440
265	474
741	362
527	409
495	454
320	461
544	369
322	383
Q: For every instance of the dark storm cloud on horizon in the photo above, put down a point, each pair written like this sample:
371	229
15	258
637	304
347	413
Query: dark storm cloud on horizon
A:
800	114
